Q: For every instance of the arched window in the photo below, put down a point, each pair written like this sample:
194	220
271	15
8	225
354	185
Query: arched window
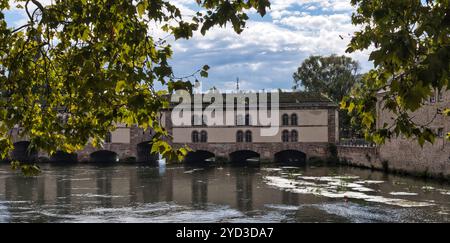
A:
248	136
203	137
285	136
195	137
285	120
294	136
240	136
247	120
294	120
108	138
240	120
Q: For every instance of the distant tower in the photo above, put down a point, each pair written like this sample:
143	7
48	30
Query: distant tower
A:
237	83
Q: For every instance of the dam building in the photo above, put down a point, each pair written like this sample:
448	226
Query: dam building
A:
308	124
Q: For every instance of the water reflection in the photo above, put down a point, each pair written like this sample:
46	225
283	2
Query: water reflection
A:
173	194
244	189
199	185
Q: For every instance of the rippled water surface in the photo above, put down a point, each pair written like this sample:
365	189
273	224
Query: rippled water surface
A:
129	193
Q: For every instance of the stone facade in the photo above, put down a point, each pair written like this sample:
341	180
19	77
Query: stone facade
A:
124	150
333	126
406	155
317	128
360	156
266	151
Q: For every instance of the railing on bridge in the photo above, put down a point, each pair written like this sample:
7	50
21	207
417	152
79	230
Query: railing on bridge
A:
356	142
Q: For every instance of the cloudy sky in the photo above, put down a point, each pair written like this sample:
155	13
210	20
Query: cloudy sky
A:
271	48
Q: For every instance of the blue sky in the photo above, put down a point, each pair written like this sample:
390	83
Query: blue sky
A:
267	53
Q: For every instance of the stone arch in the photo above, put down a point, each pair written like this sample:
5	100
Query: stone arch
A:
144	153
104	156
64	157
244	157
290	156
199	157
23	152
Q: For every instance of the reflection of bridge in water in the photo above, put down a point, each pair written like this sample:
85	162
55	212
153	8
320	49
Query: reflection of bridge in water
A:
110	187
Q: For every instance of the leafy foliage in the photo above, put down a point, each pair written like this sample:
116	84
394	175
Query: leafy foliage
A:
77	68
26	169
333	76
410	43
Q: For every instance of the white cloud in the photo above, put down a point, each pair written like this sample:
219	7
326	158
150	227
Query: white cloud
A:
271	48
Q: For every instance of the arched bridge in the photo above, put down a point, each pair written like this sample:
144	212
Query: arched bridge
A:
132	145
284	153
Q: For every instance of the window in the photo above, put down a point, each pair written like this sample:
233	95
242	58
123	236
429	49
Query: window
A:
285	136
203	137
195	137
248	136
440	132
247	120
240	137
108	138
294	136
285	120
294	120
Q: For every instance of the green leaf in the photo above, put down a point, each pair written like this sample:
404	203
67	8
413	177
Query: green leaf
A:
141	8
446	112
120	86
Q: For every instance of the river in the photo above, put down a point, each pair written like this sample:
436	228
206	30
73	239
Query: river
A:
136	193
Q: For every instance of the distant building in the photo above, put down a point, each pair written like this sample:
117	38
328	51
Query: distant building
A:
308	123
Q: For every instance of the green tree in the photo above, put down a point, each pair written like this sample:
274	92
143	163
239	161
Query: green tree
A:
333	76
77	67
410	49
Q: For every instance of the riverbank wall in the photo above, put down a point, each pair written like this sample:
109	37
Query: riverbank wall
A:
401	157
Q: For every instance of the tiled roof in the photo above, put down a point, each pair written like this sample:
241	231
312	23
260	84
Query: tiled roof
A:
292	99
302	97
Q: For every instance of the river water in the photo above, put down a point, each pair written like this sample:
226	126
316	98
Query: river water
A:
132	193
